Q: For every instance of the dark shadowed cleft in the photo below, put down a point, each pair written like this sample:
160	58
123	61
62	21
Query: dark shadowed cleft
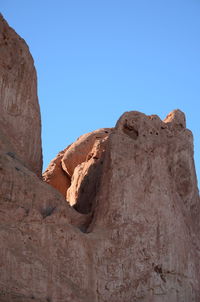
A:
89	189
131	131
158	270
11	154
48	211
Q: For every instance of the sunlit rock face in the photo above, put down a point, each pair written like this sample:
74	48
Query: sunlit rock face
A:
139	185
116	219
19	109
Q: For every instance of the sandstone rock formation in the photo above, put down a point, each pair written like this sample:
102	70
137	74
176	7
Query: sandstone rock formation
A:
130	229
56	176
19	109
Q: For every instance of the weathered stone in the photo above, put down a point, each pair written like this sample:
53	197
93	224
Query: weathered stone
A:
66	172
86	179
133	231
176	118
145	209
56	176
78	151
19	109
151	248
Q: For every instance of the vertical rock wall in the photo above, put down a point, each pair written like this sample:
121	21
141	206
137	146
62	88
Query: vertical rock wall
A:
148	213
20	122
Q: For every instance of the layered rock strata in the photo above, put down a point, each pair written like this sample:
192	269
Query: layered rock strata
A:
129	230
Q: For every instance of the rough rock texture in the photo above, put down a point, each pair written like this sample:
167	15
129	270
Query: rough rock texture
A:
77	152
86	179
56	176
145	210
19	109
133	231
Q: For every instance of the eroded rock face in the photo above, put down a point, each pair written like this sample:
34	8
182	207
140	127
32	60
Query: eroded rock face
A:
56	176
19	109
75	172
132	232
151	251
78	152
86	179
144	220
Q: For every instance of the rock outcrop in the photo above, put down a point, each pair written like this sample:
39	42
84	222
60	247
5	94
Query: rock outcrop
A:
125	225
144	206
19	108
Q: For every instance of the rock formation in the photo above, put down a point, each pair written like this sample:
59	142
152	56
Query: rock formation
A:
19	108
129	230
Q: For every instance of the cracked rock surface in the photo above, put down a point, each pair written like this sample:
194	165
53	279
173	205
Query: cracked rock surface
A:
116	219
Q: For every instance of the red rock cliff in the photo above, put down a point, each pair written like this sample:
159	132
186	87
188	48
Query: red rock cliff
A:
129	230
19	109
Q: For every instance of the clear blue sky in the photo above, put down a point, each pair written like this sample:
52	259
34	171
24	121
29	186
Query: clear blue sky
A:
96	59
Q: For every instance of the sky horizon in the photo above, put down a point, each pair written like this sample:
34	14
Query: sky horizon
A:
95	60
